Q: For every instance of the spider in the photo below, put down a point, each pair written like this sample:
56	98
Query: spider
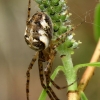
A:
38	36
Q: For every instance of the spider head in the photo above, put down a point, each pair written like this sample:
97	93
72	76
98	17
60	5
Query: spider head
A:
38	31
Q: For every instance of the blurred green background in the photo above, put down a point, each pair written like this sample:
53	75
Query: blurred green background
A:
15	55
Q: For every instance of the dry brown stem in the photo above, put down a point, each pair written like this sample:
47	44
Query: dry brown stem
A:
73	95
90	70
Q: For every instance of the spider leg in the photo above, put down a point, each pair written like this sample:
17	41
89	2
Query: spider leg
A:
29	10
47	73
28	74
53	52
61	39
40	64
58	87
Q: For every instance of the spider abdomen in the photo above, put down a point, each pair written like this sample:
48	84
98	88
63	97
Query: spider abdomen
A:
38	31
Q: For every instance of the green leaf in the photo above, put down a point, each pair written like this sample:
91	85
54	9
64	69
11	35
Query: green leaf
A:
97	22
83	96
95	64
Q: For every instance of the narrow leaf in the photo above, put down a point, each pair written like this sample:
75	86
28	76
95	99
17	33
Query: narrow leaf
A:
95	64
83	96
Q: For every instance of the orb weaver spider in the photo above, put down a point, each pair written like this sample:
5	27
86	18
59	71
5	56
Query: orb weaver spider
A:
38	36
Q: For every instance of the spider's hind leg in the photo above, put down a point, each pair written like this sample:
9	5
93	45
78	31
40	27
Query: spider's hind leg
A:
40	65
49	67
47	73
28	74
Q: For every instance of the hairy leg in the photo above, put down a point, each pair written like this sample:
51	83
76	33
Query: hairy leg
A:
28	74
40	64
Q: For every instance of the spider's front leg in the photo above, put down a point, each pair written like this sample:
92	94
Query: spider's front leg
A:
28	74
62	38
40	65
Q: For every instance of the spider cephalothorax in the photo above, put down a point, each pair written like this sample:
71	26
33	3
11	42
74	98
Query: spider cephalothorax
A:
38	31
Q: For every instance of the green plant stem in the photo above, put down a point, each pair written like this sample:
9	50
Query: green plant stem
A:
70	74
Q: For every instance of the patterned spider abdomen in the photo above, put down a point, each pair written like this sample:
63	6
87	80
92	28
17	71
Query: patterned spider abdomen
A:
38	31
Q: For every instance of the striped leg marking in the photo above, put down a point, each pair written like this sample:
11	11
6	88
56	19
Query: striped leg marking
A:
28	74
